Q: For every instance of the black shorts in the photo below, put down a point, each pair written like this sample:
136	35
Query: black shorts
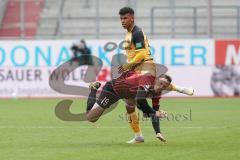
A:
107	96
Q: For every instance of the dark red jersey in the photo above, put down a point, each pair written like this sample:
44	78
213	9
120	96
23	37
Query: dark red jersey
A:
127	84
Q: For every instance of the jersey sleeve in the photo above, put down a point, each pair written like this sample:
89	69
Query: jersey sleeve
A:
138	40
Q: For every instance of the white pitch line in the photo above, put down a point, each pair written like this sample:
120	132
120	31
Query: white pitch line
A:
103	127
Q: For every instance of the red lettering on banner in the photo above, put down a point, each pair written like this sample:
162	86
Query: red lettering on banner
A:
227	52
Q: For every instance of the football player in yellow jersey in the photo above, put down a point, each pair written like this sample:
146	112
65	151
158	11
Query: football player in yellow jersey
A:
139	59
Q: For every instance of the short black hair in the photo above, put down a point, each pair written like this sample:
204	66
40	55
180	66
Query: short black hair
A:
167	77
83	41
126	10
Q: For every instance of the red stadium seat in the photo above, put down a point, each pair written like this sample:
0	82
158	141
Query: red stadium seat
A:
11	21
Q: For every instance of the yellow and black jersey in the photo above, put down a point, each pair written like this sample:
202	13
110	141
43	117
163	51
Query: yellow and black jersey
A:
138	50
136	41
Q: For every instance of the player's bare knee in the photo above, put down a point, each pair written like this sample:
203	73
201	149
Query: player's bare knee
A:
130	105
130	109
90	118
130	102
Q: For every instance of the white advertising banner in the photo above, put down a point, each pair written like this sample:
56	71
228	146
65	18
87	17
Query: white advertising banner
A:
52	53
25	66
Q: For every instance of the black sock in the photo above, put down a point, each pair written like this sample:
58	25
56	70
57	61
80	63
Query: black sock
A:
91	99
155	123
142	102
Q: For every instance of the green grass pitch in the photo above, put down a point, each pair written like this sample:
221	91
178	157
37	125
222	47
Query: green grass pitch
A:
29	130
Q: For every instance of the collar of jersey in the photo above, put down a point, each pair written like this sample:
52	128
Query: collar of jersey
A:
132	28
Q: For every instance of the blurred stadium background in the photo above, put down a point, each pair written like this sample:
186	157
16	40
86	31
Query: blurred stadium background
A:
198	40
97	19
